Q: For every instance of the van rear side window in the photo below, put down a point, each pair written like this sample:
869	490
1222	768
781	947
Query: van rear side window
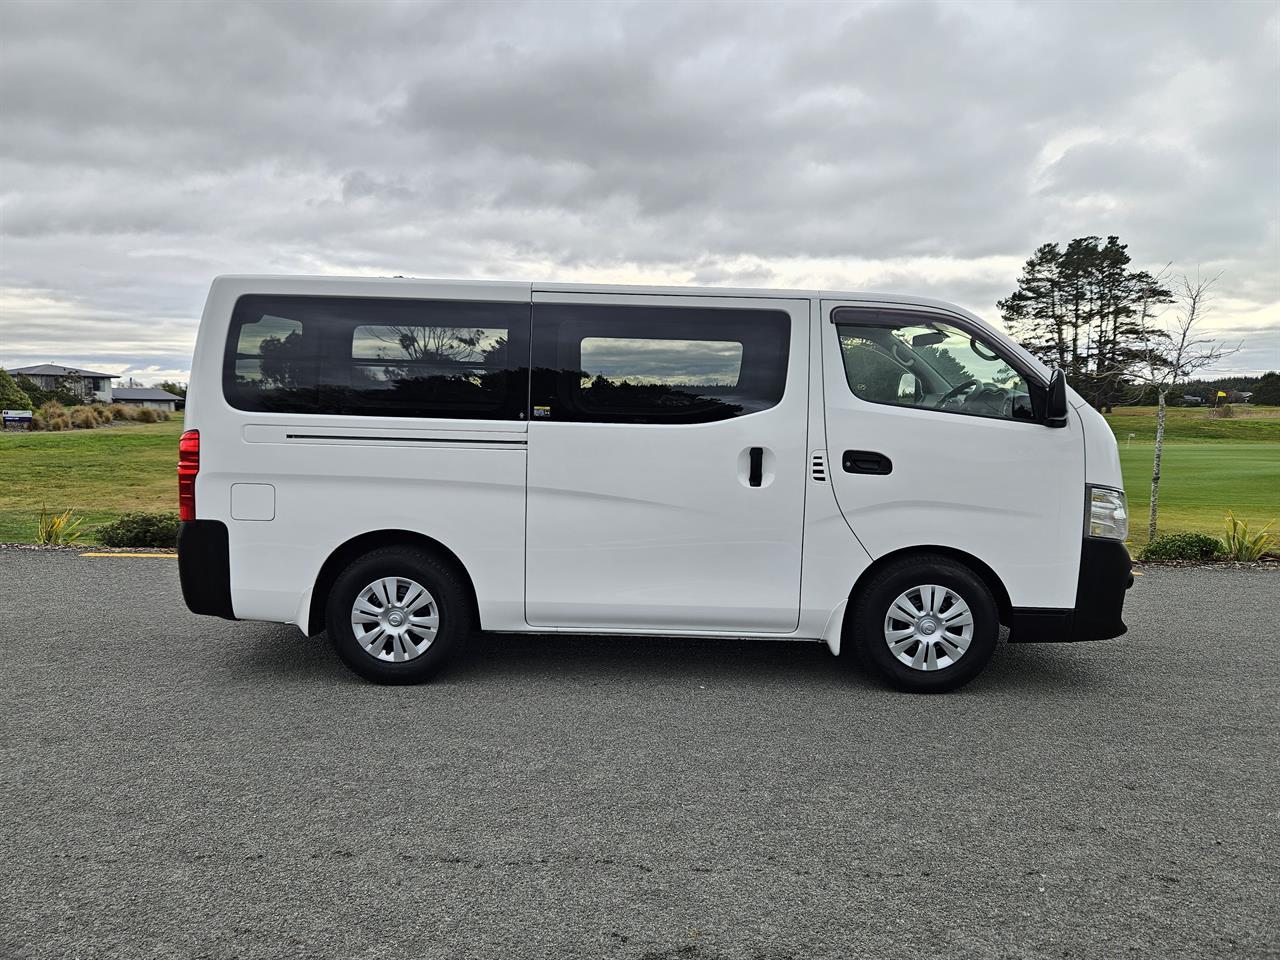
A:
625	364
378	357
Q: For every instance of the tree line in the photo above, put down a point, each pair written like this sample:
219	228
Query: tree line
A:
1265	389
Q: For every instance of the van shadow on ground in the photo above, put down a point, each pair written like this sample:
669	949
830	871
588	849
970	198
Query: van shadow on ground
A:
273	652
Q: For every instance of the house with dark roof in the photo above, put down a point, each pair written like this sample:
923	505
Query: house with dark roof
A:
90	385
146	397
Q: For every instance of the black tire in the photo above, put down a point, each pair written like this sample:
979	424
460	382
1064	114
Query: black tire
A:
873	604
452	607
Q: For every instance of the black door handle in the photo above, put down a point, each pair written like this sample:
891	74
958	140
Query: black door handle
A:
756	477
866	461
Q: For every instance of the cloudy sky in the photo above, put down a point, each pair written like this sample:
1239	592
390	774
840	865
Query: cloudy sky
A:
914	147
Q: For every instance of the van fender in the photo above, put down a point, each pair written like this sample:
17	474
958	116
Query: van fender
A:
310	616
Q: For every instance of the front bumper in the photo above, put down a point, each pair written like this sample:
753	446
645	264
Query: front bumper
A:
1106	572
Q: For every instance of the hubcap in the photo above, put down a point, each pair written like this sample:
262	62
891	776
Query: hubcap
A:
928	627
395	619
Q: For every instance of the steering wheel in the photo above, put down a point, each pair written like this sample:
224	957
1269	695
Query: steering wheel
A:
956	391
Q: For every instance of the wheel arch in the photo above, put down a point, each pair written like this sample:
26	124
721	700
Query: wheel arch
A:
358	546
979	567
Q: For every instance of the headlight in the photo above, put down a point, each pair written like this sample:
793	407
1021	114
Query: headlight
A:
1108	513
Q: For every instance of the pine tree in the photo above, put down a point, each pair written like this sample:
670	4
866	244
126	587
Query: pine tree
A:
1035	309
1083	310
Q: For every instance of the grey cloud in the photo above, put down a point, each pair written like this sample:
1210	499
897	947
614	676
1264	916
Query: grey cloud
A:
145	148
1139	170
358	185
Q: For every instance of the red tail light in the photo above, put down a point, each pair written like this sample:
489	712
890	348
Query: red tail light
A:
188	467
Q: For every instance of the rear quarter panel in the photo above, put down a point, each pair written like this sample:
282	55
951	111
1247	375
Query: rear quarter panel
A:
435	480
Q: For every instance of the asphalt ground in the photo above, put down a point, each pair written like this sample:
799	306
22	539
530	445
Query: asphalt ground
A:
175	786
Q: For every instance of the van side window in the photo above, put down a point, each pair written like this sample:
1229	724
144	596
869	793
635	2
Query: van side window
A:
378	357
625	364
917	361
268	350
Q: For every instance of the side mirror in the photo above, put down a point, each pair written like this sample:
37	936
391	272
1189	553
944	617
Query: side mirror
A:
1055	414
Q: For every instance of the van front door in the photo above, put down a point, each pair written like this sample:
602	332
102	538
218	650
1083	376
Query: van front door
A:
666	463
934	441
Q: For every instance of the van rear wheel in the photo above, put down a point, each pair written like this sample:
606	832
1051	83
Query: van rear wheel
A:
394	615
926	624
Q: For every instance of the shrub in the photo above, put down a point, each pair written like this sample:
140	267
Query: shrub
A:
58	529
1186	547
102	412
147	415
52	408
140	530
1223	412
1239	544
164	415
121	411
12	396
39	396
59	421
83	418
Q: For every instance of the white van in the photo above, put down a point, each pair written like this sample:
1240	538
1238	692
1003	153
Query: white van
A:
401	462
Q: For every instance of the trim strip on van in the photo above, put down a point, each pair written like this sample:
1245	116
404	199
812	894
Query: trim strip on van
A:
364	437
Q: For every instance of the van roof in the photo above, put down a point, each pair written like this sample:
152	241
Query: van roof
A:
545	286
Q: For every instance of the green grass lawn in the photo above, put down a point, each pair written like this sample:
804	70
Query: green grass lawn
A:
1210	466
99	474
1199	482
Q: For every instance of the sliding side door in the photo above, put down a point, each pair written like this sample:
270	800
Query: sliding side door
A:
666	463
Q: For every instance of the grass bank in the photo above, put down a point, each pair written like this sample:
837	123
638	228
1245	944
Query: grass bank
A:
99	474
1197	425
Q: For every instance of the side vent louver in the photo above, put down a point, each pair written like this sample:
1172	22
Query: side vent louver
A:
819	465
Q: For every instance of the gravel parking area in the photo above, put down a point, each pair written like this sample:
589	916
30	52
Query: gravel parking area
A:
174	786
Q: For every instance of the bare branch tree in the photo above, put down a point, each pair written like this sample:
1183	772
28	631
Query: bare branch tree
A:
1173	350
457	344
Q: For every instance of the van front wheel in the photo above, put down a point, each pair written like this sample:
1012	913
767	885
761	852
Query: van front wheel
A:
394	614
926	624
